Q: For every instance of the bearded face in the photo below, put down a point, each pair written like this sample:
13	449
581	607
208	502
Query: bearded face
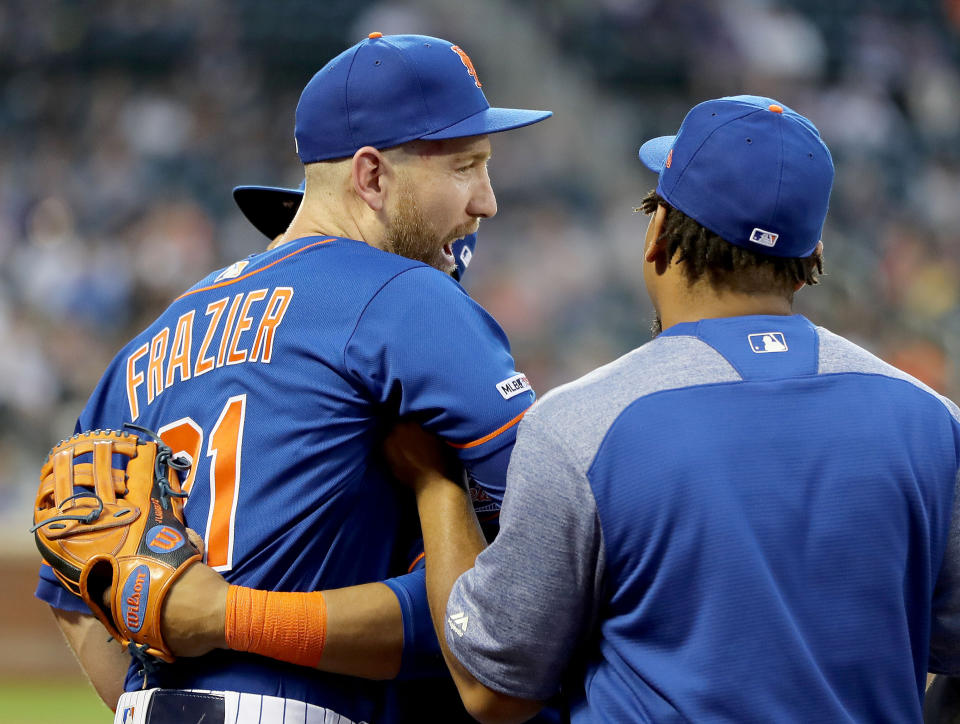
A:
441	192
410	234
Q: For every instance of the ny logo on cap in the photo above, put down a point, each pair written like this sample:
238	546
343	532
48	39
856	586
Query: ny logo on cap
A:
468	63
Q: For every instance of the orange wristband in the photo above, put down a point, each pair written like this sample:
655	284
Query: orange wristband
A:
288	627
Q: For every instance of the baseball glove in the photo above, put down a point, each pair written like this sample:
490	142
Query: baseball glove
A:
115	535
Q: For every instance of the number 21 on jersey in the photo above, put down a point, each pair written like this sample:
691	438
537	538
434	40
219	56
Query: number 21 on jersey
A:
185	437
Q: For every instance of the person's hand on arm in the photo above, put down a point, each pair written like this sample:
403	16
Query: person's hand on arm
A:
355	631
452	540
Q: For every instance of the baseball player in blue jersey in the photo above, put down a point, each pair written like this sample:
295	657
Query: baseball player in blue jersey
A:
271	210
749	518
278	377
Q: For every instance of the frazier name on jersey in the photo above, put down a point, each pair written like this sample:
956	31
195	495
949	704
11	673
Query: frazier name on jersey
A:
230	338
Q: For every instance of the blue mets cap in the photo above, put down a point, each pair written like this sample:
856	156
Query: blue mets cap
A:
271	209
751	170
387	90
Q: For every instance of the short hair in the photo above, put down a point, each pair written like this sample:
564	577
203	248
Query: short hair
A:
727	266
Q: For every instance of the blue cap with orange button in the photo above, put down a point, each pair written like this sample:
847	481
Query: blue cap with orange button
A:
390	89
750	169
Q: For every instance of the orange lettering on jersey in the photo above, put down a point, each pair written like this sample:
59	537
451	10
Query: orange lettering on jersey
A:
272	316
134	380
244	322
205	364
158	352
225	339
180	349
468	63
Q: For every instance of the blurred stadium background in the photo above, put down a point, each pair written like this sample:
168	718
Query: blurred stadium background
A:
124	126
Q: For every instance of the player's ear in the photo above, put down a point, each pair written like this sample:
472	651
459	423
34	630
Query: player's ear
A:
367	170
818	253
655	246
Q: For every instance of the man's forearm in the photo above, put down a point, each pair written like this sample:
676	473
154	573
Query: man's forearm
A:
452	541
362	626
364	632
102	659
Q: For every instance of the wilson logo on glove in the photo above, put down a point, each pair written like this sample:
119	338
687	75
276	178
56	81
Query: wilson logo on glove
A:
136	591
164	539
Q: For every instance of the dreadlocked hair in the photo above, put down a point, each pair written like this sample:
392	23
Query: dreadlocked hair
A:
724	265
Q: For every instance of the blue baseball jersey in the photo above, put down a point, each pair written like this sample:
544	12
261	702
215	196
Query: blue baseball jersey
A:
745	520
278	377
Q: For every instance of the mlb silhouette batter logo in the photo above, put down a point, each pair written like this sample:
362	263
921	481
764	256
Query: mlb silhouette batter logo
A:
764	237
767	342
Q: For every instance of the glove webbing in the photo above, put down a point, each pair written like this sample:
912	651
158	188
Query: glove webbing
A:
164	458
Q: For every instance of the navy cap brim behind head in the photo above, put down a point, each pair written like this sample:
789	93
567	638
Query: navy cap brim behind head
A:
491	120
654	152
269	208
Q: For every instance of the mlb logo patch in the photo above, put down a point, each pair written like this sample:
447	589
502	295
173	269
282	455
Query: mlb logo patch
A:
767	342
763	237
513	386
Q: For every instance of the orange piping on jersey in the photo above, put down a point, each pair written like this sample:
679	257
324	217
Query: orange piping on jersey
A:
415	562
487	438
255	271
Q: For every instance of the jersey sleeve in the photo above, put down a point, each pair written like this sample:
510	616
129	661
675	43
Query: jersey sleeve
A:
425	350
50	591
516	618
421	656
